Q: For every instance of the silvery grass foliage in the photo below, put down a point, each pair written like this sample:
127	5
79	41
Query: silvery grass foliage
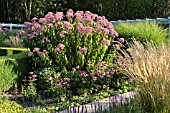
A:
149	68
79	39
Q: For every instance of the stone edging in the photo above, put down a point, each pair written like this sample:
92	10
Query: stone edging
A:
102	104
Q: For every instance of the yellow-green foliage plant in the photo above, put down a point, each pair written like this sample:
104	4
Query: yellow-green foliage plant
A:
143	31
150	70
7	106
7	77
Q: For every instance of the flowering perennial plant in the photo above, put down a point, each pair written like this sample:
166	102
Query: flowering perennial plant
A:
75	39
73	54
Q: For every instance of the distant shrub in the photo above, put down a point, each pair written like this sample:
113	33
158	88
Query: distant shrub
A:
142	32
20	65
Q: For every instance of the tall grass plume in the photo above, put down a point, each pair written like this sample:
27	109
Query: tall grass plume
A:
150	70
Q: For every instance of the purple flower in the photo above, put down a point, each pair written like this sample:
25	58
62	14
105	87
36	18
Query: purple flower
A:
62	33
60	46
49	17
34	19
21	32
36	49
78	15
83	51
42	20
106	42
95	78
109	25
57	49
58	16
113	33
121	40
117	46
30	54
41	53
68	25
45	52
105	31
35	26
44	39
30	36
49	25
69	13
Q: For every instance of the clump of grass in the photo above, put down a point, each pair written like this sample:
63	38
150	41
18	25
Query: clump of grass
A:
14	41
143	31
150	70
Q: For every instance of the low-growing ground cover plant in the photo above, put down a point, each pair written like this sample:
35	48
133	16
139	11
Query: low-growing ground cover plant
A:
73	55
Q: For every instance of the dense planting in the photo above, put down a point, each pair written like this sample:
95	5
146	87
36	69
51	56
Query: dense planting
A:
73	54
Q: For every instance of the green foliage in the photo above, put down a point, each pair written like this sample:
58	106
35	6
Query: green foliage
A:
7	106
72	43
39	110
20	65
143	31
7	77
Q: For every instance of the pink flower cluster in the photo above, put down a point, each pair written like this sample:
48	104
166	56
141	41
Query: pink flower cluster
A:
44	39
59	47
37	51
63	33
21	32
106	42
83	51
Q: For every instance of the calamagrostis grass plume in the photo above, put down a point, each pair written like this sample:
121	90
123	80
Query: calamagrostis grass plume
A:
149	67
14	41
